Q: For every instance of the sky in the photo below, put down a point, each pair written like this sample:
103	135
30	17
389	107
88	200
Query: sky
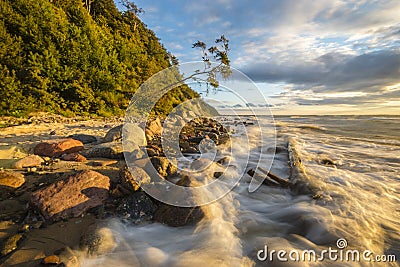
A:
305	56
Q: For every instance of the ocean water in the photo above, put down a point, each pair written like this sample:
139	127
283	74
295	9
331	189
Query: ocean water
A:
347	188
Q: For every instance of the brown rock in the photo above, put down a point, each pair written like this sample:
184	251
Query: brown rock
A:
11	179
134	133
29	161
74	157
55	148
10	244
84	138
112	150
114	134
179	216
137	207
73	196
151	152
51	260
133	177
191	150
153	127
163	166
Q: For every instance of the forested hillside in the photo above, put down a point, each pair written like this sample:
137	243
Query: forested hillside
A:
63	57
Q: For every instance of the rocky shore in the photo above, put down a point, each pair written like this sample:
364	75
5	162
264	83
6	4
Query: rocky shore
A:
60	179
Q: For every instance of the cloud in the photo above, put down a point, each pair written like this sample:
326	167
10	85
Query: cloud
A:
251	105
336	79
315	49
174	45
333	70
265	105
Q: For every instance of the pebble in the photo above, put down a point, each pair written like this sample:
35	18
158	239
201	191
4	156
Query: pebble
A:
24	228
10	244
11	179
51	260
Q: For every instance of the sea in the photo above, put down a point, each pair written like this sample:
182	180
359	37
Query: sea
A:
343	209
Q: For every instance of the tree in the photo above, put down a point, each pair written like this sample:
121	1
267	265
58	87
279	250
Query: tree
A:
219	53
88	4
132	9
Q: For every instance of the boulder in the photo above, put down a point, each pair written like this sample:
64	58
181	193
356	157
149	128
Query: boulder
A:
190	150
137	207
29	161
132	177
74	157
163	166
153	127
128	131
132	132
98	241
213	136
11	179
55	148
114	134
184	144
113	150
132	151
179	216
84	138
151	152
223	138
73	196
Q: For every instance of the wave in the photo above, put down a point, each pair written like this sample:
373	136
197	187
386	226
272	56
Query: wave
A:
340	189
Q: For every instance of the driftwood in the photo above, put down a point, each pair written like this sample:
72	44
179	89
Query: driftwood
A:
298	180
267	177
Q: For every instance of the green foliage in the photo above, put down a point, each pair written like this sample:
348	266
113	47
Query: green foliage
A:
57	57
218	53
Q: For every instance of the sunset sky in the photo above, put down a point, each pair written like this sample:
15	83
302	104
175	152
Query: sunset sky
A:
307	57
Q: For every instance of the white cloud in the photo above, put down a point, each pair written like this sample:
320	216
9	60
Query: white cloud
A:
335	52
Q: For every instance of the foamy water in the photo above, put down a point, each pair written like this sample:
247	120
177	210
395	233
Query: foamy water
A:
351	164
